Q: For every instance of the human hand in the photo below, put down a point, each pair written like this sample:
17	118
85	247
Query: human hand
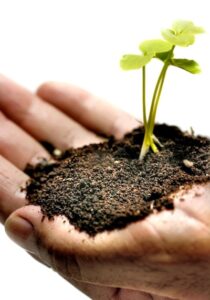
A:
166	254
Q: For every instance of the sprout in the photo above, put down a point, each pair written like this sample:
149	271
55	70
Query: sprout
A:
182	33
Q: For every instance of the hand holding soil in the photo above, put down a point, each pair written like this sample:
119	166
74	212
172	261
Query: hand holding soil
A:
163	255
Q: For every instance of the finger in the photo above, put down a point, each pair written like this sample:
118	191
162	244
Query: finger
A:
19	147
11	181
157	255
87	109
40	119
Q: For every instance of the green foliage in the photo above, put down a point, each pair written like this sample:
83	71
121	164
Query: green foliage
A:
186	64
132	61
182	33
163	56
186	27
154	46
182	40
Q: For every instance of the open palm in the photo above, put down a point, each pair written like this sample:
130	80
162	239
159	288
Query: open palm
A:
165	256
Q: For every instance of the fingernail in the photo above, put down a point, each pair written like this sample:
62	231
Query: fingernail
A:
21	232
123	125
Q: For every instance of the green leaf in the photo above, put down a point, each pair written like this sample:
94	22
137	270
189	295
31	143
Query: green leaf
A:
186	27
155	46
183	39
132	61
163	56
186	64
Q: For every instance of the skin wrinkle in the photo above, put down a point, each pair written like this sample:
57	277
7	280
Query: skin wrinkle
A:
131	237
147	246
183	290
168	284
195	218
62	263
160	240
110	293
204	228
79	265
56	258
4	178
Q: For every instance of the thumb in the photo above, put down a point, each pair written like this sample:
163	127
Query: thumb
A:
21	228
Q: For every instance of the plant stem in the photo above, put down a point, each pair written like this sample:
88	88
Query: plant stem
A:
157	98
154	98
148	139
144	96
145	146
148	135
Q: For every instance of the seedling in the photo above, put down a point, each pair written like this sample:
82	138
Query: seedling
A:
182	33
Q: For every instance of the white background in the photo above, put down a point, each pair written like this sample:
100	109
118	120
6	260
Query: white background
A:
81	42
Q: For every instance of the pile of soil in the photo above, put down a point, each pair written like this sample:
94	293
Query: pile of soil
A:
105	186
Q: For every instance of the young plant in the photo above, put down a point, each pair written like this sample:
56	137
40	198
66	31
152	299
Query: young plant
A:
182	33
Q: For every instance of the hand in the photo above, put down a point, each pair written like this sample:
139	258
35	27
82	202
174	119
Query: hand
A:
165	255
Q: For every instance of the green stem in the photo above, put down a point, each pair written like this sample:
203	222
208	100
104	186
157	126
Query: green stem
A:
157	98
148	139
157	93
145	146
144	96
157	87
148	136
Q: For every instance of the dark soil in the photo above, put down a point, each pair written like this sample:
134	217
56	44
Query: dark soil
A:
104	186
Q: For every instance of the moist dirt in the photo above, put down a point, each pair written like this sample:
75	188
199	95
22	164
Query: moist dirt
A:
105	186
